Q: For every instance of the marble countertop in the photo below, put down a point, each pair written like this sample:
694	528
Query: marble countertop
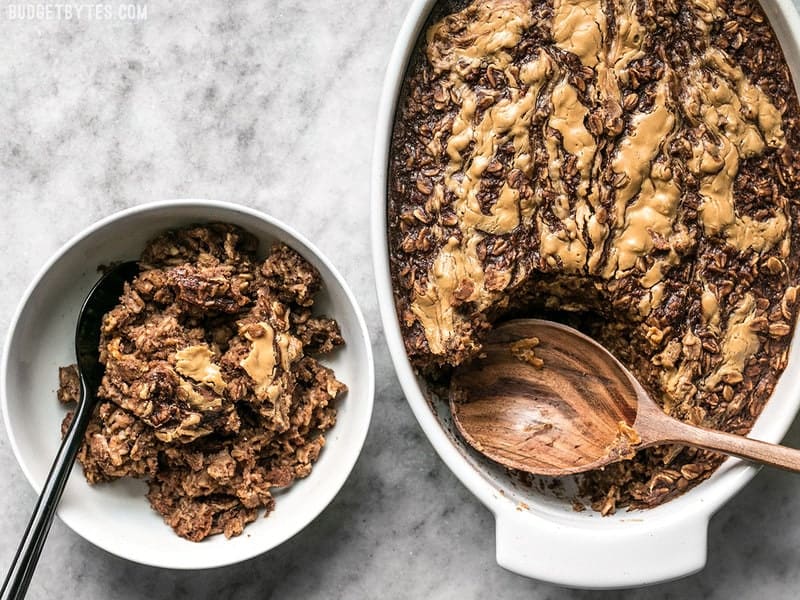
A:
273	104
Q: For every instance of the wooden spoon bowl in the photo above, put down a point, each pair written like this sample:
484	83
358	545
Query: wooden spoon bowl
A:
546	399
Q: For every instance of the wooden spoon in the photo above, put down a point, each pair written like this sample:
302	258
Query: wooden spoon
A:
565	405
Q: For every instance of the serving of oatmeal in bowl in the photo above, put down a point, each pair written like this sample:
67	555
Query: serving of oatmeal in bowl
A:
237	388
630	169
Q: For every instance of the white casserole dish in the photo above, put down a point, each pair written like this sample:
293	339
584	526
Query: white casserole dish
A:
116	516
539	535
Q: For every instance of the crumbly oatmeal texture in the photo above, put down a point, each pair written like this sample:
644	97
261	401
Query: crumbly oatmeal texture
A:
626	166
210	390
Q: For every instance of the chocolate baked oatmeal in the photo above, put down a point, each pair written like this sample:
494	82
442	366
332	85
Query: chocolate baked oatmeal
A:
626	166
211	389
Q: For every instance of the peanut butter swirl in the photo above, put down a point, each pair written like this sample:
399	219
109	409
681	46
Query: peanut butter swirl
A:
619	211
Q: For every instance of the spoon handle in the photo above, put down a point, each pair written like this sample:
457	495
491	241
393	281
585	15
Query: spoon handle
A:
27	556
765	453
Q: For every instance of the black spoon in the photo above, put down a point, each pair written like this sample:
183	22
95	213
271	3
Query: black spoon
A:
103	297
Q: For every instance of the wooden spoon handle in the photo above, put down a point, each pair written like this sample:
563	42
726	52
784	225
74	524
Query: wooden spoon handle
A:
728	443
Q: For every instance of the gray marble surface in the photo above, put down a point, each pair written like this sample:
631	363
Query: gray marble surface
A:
272	104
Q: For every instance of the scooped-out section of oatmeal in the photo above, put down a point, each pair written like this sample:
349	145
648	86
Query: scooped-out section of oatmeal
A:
212	389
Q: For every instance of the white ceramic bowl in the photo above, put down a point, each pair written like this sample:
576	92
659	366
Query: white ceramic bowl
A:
117	516
549	540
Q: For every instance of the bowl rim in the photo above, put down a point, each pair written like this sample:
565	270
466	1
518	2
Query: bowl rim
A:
341	474
721	487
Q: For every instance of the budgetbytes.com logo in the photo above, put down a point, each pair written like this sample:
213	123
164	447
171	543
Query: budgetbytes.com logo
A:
107	11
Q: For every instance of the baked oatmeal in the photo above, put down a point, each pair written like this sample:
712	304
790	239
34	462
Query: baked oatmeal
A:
211	389
626	166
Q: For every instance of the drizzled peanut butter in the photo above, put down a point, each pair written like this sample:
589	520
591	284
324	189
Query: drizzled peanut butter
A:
656	193
638	231
497	27
195	362
742	123
196	400
260	362
738	345
269	351
710	308
568	118
579	27
457	270
289	348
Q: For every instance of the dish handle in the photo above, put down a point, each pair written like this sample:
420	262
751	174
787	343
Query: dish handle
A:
631	553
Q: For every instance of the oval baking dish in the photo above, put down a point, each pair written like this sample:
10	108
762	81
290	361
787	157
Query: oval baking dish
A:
538	534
